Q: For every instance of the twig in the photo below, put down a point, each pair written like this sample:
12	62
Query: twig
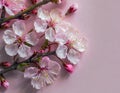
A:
30	60
2	20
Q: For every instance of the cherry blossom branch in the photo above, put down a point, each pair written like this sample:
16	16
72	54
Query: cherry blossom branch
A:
26	11
30	60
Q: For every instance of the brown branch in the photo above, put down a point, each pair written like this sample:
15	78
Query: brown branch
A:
28	10
30	60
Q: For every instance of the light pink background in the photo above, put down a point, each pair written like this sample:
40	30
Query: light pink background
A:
99	69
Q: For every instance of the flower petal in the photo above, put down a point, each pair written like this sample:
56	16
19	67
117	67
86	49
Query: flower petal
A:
61	51
32	38
55	14
30	72
53	69
24	51
9	37
43	14
40	26
9	11
36	82
19	28
73	56
44	62
61	38
50	34
80	44
11	49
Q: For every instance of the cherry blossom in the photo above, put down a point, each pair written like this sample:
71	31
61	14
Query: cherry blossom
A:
74	46
13	6
18	40
44	75
47	23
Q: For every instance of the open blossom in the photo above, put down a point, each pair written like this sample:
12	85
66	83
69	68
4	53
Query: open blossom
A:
71	49
44	75
47	23
13	6
18	40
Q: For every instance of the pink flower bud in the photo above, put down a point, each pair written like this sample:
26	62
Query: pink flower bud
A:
6	64
5	83
72	9
69	67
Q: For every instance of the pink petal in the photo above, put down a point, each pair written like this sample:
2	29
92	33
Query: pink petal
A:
9	37
50	34
11	49
73	56
30	72
61	51
19	27
40	26
44	62
53	69
32	38
24	51
43	14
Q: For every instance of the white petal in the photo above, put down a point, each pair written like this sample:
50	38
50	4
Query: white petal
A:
40	26
43	14
11	49
55	14
36	82
1	4
31	38
80	44
9	37
73	56
24	51
61	38
19	28
10	12
50	34
61	51
30	72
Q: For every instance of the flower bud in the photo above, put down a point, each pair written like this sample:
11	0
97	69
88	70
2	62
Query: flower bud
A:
72	9
69	67
6	64
34	1
5	83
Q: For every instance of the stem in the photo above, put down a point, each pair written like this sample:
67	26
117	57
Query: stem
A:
2	20
30	60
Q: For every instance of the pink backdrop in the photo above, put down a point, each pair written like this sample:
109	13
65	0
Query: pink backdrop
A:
99	69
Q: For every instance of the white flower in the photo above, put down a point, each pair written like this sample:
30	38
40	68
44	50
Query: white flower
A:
18	41
75	45
44	75
47	23
12	6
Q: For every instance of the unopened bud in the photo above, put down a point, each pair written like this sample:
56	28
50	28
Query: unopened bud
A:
72	9
69	67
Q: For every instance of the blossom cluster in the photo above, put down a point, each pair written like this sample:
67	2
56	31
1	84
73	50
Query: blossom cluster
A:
56	34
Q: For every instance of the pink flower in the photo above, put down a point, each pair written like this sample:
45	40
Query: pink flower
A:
71	49
72	9
13	6
5	83
19	41
43	75
47	23
69	67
